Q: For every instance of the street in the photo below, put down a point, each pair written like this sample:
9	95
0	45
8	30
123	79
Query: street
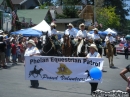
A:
13	83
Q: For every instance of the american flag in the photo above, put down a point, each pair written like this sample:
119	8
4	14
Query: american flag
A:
14	17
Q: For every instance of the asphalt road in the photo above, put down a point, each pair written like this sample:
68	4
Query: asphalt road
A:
13	83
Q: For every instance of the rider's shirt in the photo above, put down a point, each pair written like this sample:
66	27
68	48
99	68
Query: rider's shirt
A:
70	32
95	54
52	32
95	36
111	39
30	51
82	34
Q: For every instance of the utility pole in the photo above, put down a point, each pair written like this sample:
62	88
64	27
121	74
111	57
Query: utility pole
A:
94	11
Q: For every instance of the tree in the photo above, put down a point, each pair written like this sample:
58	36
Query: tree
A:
108	18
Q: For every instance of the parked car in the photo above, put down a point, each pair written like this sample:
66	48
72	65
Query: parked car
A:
120	47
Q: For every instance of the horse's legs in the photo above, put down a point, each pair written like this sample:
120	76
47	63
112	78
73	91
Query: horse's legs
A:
109	59
112	60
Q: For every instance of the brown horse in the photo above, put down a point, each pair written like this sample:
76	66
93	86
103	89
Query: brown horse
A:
109	53
66	46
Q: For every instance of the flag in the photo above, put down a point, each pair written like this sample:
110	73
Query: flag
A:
14	17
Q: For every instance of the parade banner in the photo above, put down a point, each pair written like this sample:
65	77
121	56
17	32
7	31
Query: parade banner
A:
67	69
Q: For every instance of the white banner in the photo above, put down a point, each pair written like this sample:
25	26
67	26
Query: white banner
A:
68	69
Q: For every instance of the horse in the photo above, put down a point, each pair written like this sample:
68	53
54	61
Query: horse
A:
109	53
82	49
49	48
35	72
66	46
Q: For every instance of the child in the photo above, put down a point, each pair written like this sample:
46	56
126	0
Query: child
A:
18	52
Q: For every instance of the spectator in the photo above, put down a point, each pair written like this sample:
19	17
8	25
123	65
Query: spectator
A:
2	53
13	51
126	45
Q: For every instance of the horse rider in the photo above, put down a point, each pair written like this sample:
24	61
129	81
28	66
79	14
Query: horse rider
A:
83	34
72	34
53	30
110	38
70	31
97	40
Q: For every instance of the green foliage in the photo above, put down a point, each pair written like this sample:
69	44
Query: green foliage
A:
68	12
108	18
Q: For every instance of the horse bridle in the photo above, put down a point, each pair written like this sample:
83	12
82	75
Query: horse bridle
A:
53	46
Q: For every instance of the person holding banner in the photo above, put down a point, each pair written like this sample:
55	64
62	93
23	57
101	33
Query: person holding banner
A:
32	51
93	52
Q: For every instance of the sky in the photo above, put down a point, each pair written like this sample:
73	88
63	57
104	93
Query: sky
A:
128	2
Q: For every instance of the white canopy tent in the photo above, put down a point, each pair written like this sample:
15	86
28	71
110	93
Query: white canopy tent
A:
110	30
43	26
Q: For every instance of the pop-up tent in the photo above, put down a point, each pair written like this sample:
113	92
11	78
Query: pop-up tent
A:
43	26
110	30
34	31
28	32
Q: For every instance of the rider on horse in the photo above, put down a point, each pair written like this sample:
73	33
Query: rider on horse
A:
110	38
83	34
97	40
72	34
53	35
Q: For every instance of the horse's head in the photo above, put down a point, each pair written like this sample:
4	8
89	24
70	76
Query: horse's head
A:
41	69
108	42
66	37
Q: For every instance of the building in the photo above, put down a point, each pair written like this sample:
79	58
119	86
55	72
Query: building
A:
62	23
34	16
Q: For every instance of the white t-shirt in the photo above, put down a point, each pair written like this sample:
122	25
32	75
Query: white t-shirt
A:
71	32
95	54
30	51
53	31
95	36
123	39
111	39
82	34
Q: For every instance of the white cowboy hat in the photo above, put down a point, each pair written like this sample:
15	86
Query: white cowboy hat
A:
70	25
109	33
93	46
81	25
53	24
32	42
95	29
1	31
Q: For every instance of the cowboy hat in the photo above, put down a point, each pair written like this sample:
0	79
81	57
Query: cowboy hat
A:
93	46
1	31
70	25
95	29
81	25
53	24
32	42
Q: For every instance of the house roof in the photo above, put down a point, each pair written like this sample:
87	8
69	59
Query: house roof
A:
18	1
70	20
37	15
57	8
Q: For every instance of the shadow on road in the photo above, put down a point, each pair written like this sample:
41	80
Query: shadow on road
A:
67	92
